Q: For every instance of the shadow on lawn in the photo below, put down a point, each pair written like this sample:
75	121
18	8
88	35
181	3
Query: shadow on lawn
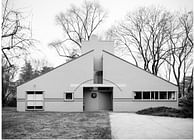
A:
39	125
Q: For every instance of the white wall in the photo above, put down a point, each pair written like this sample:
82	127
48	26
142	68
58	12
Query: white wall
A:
133	79
132	106
105	101
97	45
58	81
91	104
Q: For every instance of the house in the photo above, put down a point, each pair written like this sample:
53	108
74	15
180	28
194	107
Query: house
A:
96	80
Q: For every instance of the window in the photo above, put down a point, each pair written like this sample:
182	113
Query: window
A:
155	95
68	96
30	92
38	107
34	100
138	95
163	95
171	95
152	95
146	95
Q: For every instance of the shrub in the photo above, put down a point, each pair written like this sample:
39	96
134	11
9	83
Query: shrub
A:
166	111
12	102
187	104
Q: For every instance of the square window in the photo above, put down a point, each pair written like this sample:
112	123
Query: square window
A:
68	96
146	95
138	95
163	95
171	95
34	100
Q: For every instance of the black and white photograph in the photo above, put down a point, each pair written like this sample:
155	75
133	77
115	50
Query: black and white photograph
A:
97	69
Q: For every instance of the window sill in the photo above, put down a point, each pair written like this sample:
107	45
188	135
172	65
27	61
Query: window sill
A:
68	100
34	109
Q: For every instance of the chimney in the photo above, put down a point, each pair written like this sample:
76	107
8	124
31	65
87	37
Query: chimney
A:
98	47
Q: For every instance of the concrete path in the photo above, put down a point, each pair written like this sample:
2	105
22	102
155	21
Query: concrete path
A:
134	126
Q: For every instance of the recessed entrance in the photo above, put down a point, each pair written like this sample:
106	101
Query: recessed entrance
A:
97	98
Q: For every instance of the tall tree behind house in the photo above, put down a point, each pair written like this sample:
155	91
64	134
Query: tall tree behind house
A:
78	24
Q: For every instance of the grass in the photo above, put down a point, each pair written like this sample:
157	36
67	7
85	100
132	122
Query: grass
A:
166	111
44	125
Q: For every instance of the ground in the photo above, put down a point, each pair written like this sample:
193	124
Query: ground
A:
39	125
96	125
134	126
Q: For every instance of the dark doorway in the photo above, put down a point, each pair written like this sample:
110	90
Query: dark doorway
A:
97	98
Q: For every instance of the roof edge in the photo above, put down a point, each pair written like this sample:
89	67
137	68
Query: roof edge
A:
58	66
139	68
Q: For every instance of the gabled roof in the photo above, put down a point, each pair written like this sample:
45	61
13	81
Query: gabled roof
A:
139	67
59	66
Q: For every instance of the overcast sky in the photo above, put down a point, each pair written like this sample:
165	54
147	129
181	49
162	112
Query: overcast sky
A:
42	14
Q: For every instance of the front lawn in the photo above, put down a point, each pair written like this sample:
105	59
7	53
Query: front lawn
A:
166	111
44	125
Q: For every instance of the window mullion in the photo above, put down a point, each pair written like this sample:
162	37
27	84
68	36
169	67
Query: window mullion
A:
150	95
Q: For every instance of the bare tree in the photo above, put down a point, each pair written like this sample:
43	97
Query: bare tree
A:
78	24
15	42
167	68
120	37
156	38
181	47
145	34
15	37
8	86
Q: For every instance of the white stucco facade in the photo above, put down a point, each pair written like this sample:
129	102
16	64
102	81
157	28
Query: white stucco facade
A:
134	79
114	88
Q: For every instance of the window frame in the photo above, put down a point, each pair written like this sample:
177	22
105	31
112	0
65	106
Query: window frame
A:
174	92
143	97
68	100
137	92
156	98
34	100
161	93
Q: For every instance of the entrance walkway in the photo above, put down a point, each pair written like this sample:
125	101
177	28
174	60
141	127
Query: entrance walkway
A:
134	126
